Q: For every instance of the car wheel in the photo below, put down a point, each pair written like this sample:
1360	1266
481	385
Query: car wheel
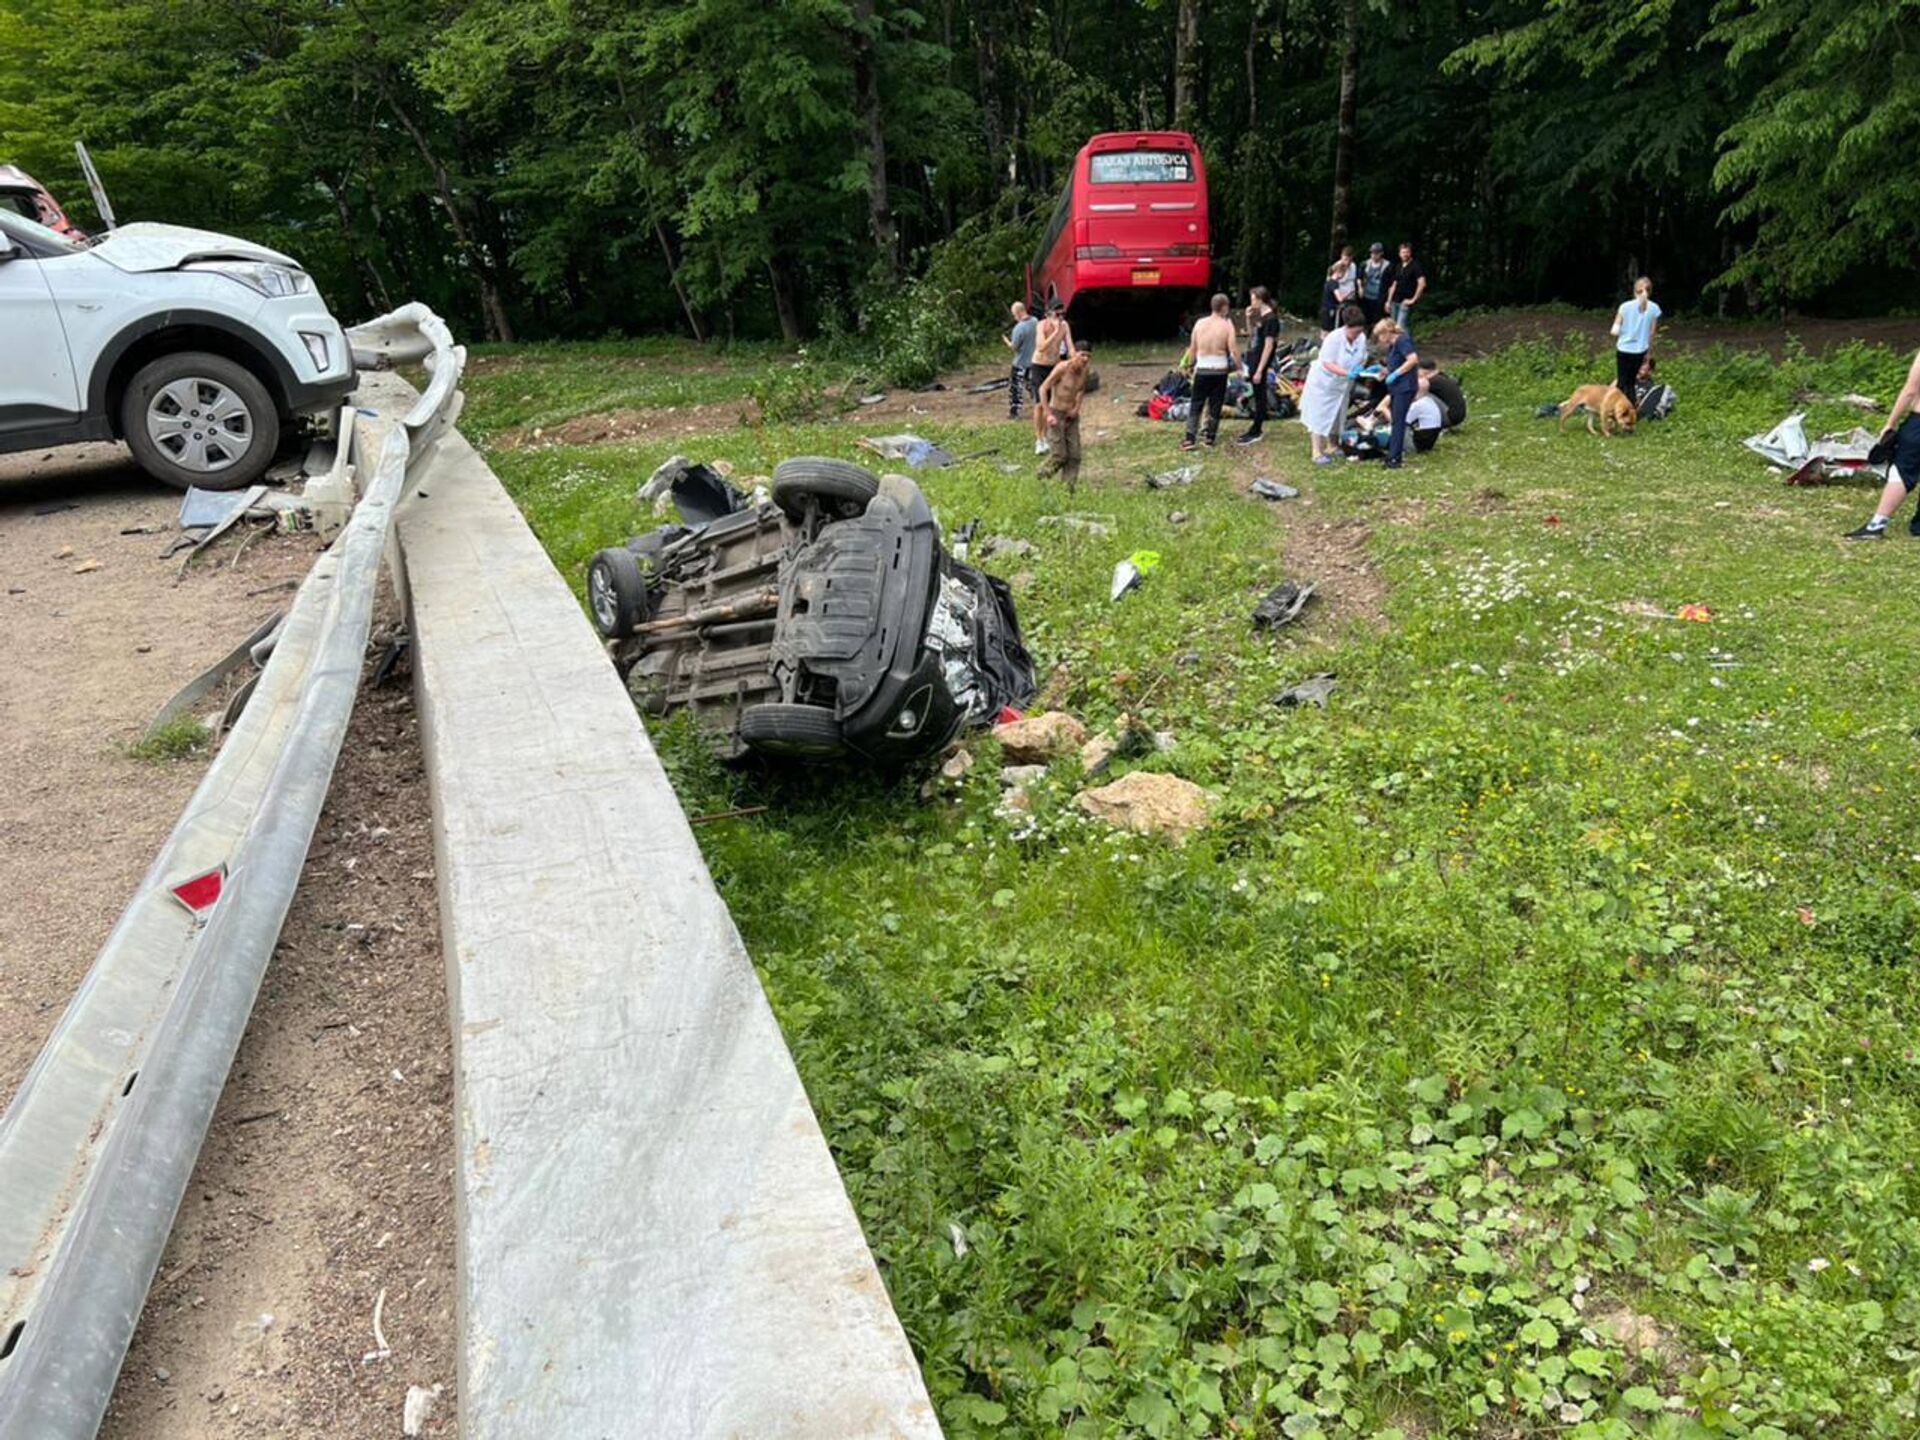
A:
616	592
801	732
838	487
198	419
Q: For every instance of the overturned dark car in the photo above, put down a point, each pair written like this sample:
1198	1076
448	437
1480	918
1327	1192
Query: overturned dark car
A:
829	622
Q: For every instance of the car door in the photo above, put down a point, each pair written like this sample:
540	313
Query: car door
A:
37	385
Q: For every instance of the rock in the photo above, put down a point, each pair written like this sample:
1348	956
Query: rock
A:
419	1406
1097	754
1018	777
1040	739
956	765
1149	804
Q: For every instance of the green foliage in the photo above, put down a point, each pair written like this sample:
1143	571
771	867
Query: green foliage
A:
180	737
1527	1050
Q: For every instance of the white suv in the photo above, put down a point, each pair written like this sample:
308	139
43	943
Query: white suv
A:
199	350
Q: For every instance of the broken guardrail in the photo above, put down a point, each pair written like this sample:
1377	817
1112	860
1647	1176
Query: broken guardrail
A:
99	1144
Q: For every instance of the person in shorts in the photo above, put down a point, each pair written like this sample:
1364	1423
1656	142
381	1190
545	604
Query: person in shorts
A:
1052	343
1902	435
1061	398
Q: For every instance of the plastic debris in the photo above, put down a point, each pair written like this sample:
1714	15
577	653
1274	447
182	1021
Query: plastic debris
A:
1281	605
1272	490
1167	479
1809	462
1698	613
1131	571
915	451
1314	690
418	1409
1083	520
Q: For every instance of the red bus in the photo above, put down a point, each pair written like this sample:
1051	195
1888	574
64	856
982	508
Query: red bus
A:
1130	231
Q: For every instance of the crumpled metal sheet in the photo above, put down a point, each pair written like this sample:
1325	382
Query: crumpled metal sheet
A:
1787	446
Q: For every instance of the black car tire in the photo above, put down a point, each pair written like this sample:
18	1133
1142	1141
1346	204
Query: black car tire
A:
839	487
799	731
218	374
616	592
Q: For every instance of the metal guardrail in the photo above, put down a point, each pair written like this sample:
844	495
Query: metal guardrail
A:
99	1144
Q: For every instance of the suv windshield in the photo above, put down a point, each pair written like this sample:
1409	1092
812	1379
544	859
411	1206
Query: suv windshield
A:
35	236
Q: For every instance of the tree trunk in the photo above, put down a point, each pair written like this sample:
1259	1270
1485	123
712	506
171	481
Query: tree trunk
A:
780	272
1349	116
673	276
372	285
1186	64
866	84
499	327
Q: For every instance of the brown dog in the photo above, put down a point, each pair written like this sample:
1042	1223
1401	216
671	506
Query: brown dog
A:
1607	402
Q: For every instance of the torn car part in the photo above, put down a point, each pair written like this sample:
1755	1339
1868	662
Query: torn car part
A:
249	651
1281	605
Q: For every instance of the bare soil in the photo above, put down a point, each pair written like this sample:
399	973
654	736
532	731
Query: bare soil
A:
325	1183
89	655
613	427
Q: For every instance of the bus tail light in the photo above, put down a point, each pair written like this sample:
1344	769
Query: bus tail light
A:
1096	252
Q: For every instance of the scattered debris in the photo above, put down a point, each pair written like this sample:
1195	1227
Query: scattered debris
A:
1149	803
916	452
86	567
877	398
959	1239
1860	402
417	1410
1281	605
56	508
956	765
1128	574
990	386
1040	739
381	1350
1178	517
1272	490
144	530
1811	462
662	480
1018	777
65	552
1693	612
1167	479
1097	754
1314	690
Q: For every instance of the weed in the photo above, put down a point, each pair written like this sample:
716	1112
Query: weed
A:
180	737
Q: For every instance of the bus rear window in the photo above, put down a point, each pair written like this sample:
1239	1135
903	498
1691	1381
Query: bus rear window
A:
1141	167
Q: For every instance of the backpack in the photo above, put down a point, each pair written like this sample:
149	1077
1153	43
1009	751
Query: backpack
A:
1655	401
1158	408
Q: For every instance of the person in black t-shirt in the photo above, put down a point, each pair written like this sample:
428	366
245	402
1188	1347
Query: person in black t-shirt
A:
1263	339
1409	285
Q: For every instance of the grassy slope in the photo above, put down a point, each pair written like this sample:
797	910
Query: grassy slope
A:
1554	986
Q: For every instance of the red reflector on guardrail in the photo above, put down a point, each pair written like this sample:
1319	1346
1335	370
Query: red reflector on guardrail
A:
201	891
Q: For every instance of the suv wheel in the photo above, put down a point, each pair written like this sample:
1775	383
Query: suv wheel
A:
800	732
199	419
839	488
616	592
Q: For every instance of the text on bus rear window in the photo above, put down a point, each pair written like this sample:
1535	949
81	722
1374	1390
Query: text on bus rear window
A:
1141	167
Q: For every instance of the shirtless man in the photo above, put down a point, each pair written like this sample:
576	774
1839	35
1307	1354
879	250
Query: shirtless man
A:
1903	467
1061	395
1052	343
1212	349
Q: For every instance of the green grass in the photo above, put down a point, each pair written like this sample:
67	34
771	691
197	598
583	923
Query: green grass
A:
1557	980
180	737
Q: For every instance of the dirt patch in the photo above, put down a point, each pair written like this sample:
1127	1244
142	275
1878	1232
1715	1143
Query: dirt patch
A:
1650	1345
326	1178
614	427
1473	336
1333	554
89	658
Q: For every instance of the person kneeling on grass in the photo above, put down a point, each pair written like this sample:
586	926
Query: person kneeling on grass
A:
1402	382
1903	471
1060	397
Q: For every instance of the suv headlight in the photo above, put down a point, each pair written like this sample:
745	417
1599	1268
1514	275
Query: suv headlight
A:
273	281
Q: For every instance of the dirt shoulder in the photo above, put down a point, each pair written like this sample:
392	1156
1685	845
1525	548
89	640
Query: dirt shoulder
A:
95	635
325	1183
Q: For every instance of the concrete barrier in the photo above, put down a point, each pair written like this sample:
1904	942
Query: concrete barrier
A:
653	1239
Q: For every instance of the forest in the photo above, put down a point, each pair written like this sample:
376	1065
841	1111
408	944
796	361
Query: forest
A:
819	168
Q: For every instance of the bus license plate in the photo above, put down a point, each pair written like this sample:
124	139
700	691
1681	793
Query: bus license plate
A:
1146	277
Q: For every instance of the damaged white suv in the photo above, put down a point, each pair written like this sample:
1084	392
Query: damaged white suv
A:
199	350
